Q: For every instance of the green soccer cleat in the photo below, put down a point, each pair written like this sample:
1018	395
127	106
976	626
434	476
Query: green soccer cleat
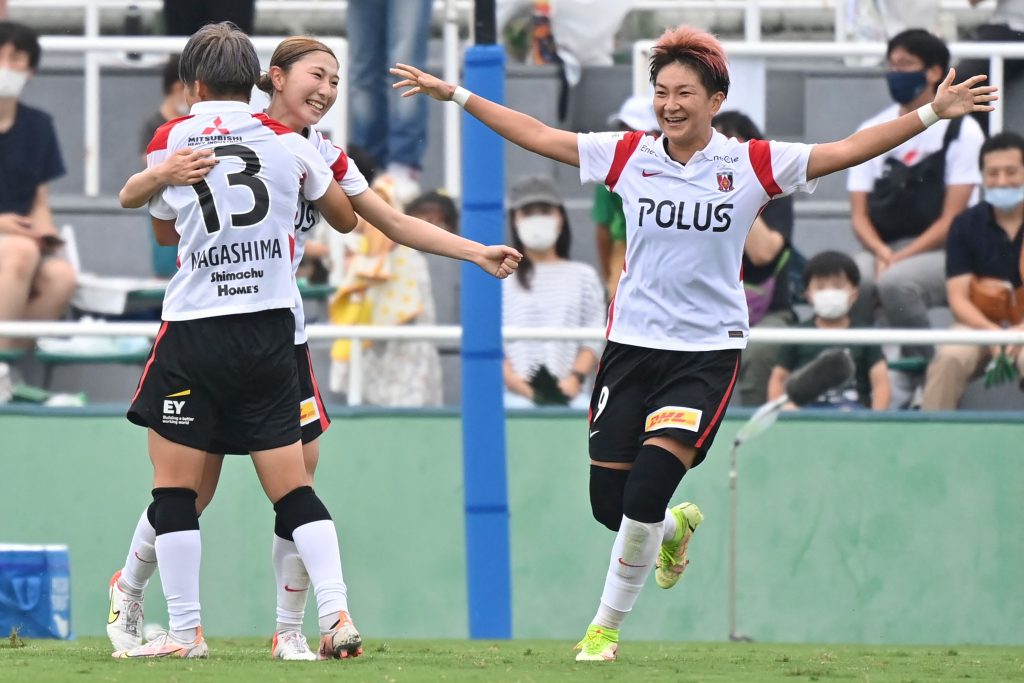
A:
672	556
599	645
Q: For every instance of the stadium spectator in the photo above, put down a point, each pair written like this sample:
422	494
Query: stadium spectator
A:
830	282
386	284
548	290
35	283
679	317
636	113
902	202
767	257
438	209
185	17
1005	25
172	106
983	270
392	129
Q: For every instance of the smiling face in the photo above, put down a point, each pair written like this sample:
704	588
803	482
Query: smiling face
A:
683	105
304	92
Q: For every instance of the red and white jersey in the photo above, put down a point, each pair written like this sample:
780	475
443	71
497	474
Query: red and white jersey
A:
352	181
681	287
237	223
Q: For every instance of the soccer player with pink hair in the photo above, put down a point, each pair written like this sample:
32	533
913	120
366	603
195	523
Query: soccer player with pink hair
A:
678	321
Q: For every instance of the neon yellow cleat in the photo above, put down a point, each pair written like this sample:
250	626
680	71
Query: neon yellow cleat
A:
599	645
672	557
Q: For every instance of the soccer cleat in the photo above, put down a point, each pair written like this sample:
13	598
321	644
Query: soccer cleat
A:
672	556
599	645
124	620
291	646
166	646
342	641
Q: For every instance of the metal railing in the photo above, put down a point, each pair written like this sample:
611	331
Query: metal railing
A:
452	334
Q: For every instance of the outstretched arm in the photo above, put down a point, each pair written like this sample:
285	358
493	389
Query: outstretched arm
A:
499	261
951	101
514	126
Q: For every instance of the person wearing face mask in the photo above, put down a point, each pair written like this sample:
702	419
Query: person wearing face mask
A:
830	281
902	202
35	284
984	270
548	290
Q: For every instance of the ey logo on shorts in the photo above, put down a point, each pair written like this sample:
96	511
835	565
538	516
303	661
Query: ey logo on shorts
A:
675	417
308	412
173	408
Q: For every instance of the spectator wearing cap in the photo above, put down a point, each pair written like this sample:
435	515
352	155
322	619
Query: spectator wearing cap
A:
548	290
768	258
34	283
636	113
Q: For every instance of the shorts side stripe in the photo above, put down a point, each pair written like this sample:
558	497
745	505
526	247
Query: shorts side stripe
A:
721	406
324	424
152	357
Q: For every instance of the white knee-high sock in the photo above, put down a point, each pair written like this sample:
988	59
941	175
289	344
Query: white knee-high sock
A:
292	585
317	543
179	554
633	555
141	563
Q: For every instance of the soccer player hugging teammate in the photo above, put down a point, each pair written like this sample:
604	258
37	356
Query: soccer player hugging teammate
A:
302	82
678	320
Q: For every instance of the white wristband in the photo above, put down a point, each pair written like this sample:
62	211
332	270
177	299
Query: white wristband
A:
460	96
927	114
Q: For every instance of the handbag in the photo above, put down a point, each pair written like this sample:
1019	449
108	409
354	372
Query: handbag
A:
908	199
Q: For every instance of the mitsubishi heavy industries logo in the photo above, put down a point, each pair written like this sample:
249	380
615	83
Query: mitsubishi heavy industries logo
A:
217	127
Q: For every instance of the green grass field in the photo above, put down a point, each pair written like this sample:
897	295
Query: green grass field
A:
397	661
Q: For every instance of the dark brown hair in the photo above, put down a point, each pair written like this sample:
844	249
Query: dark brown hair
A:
223	58
289	51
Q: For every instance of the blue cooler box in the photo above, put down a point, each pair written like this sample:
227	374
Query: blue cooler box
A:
35	590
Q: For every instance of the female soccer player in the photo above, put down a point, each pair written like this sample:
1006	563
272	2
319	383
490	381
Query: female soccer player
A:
678	320
302	82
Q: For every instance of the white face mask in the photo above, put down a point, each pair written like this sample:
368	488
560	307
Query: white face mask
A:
12	82
831	304
539	232
182	108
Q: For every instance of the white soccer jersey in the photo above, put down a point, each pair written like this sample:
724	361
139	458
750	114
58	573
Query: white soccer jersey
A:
352	181
681	286
237	224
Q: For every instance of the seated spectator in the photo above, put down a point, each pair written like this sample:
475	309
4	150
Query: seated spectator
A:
903	202
386	284
34	283
436	208
636	113
173	105
830	280
548	290
983	271
767	256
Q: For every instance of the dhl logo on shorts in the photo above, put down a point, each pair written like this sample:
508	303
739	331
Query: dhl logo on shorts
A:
675	417
308	412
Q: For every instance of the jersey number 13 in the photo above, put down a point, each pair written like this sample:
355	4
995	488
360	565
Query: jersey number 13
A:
247	177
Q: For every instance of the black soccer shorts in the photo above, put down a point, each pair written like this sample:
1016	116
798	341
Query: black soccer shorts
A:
641	392
232	377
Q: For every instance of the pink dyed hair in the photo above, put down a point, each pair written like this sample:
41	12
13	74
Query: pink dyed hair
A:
694	48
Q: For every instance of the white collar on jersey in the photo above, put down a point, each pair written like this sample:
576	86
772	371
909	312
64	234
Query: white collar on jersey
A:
713	148
218	107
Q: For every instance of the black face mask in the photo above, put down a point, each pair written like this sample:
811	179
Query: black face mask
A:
905	86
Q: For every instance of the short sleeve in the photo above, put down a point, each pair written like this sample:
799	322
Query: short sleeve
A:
345	171
317	175
958	253
871	355
602	155
52	164
788	357
962	155
781	167
159	208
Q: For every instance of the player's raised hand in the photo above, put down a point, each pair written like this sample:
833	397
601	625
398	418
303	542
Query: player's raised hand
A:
953	101
420	82
186	166
499	261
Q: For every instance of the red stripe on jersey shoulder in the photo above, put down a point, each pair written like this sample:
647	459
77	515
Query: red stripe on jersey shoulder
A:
273	124
340	165
761	159
159	140
624	149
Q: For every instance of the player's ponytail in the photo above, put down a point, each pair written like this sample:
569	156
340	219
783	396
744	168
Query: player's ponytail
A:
265	84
